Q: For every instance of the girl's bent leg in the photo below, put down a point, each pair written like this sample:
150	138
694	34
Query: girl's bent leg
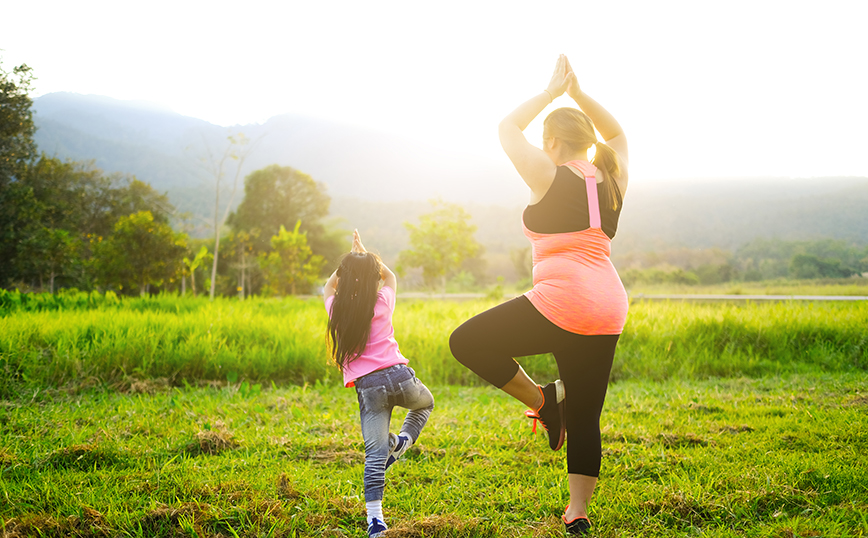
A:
418	399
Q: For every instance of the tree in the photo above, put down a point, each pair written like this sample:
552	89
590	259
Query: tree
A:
291	266
140	252
47	253
218	167
241	245
806	266
441	243
16	123
277	196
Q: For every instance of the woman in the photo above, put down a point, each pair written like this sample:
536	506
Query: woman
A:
577	307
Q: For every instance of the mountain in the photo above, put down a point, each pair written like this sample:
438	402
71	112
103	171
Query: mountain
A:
379	181
165	149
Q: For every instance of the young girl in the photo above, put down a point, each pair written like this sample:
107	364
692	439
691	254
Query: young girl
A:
362	343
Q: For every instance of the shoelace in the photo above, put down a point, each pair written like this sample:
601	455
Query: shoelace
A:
535	416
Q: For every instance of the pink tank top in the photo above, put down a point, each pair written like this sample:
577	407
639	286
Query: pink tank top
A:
575	285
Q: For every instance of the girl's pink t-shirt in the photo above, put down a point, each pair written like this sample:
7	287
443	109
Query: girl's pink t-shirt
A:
382	349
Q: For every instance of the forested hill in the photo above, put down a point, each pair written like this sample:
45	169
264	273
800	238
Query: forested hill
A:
379	181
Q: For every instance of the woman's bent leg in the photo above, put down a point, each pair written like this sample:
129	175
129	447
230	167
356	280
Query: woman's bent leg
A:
487	342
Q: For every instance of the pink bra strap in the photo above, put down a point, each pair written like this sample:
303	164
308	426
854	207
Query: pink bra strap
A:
593	201
589	171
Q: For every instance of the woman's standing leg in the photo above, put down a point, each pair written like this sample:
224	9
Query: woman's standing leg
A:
584	368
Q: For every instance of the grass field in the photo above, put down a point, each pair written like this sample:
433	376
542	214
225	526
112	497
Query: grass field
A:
85	341
767	458
168	417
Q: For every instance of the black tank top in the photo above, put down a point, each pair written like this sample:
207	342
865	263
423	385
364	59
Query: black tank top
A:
564	208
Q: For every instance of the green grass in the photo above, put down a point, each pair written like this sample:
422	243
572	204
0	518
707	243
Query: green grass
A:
722	420
776	457
113	343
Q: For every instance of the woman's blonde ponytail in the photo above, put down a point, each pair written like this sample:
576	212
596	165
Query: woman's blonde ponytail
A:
576	130
606	159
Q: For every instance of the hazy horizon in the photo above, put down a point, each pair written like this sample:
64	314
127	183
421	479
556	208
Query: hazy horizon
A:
741	89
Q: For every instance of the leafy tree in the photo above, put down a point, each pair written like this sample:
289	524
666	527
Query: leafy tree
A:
277	196
47	253
809	266
140	252
441	243
16	123
53	196
291	266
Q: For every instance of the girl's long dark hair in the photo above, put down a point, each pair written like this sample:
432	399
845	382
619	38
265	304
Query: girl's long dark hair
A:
353	308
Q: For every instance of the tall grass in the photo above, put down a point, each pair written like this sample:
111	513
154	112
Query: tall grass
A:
105	340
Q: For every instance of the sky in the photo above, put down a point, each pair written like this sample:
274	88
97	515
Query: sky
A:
736	89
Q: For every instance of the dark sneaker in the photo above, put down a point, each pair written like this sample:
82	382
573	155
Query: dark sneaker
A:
552	414
398	444
376	528
580	526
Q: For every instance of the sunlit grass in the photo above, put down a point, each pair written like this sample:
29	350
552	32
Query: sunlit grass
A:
283	341
764	457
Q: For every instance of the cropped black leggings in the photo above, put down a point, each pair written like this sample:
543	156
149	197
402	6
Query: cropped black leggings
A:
488	342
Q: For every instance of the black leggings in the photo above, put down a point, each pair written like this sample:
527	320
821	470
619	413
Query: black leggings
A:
487	343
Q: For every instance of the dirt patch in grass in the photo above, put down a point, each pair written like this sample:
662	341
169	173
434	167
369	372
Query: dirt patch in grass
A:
858	401
85	457
88	524
172	521
286	489
145	386
705	409
7	459
674	440
438	527
681	510
212	441
736	429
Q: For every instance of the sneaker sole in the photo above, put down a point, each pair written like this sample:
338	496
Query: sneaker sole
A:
560	398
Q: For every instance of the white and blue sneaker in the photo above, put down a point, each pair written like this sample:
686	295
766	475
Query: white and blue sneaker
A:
376	528
398	444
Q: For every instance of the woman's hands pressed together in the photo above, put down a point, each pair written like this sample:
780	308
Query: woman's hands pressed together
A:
561	78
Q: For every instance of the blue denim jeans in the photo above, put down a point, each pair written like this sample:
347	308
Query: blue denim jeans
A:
378	393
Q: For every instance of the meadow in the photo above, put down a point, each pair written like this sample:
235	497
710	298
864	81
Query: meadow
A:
166	417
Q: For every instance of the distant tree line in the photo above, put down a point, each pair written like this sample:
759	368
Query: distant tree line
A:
760	259
66	224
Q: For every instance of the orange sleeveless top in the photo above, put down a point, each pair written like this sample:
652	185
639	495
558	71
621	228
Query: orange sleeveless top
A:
575	285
